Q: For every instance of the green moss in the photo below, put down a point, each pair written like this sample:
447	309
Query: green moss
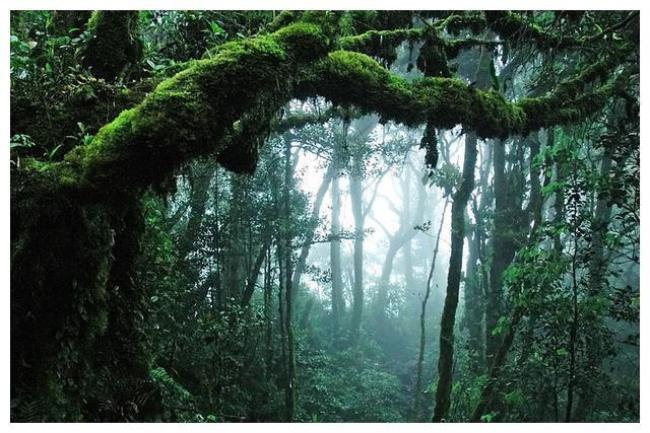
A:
191	113
382	44
348	78
113	43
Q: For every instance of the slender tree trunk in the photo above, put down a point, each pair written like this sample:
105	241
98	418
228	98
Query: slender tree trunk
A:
290	389
254	273
445	360
486	400
500	258
338	304
474	303
597	271
268	311
489	390
318	202
559	194
396	242
417	400
356	198
573	331
535	207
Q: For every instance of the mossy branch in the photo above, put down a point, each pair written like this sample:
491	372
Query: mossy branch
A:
192	113
347	78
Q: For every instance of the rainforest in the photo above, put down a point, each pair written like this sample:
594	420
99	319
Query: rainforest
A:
324	216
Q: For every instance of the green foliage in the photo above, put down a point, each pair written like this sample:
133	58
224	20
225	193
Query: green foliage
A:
340	387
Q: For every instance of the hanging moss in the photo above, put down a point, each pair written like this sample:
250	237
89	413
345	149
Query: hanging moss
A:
382	44
380	20
432	60
468	20
429	143
434	53
113	43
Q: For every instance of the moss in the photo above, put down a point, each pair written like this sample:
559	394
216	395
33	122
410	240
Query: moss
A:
75	224
432	60
347	78
381	20
113	43
191	113
61	304
468	20
381	44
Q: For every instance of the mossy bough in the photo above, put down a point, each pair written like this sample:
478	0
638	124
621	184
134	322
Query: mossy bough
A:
191	113
347	78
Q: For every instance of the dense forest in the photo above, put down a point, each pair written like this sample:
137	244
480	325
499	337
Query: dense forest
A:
325	216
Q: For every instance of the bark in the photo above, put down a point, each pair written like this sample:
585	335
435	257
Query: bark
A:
200	177
338	304
536	199
486	401
288	259
254	273
445	360
502	251
474	303
558	205
597	282
268	312
458	209
356	198
573	329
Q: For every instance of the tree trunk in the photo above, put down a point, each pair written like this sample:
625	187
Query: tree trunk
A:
417	400
288	259
445	360
356	198
474	303
254	273
338	304
318	202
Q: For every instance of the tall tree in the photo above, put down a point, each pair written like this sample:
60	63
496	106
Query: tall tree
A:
458	209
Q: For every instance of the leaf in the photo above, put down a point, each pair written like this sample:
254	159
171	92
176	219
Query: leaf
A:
500	326
216	28
488	417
